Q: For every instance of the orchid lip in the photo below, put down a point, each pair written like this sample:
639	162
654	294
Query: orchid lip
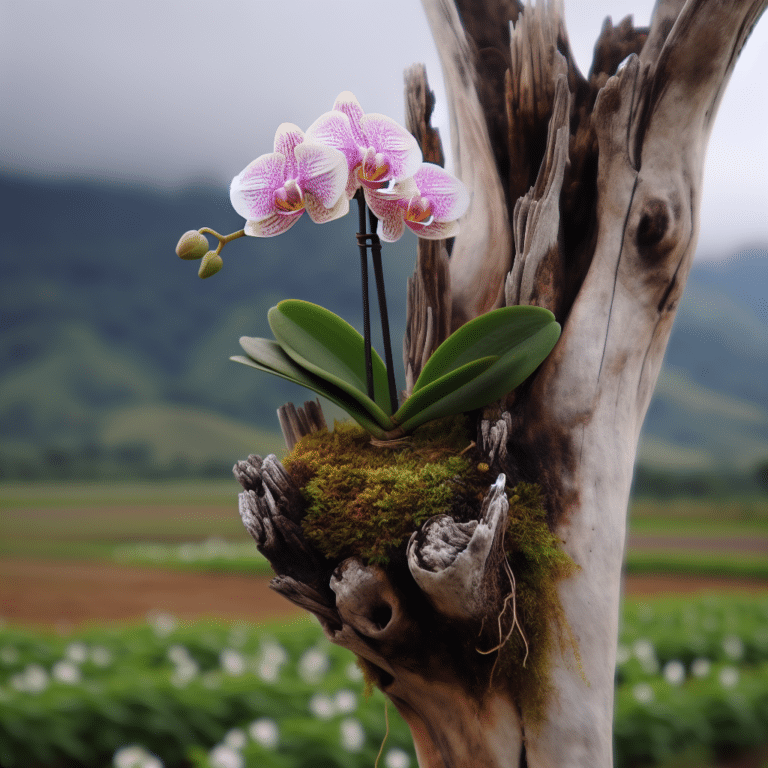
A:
289	198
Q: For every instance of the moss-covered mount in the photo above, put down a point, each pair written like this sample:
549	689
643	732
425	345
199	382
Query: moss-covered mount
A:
365	501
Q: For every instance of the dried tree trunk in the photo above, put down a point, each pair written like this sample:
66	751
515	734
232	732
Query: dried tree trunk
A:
585	199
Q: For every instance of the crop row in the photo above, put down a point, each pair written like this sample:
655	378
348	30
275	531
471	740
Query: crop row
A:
690	673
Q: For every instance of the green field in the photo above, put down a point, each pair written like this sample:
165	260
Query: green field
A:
195	525
692	685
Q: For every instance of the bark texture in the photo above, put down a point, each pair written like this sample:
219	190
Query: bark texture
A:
585	198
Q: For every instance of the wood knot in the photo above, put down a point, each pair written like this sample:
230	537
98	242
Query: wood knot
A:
653	223
654	229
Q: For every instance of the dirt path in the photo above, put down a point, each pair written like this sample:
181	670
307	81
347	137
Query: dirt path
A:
71	593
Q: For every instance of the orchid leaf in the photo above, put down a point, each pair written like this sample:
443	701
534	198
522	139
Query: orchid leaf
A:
332	349
437	390
501	377
494	333
267	355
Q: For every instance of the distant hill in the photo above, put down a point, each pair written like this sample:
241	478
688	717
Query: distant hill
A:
114	355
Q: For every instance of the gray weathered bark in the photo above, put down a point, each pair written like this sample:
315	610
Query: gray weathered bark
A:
585	199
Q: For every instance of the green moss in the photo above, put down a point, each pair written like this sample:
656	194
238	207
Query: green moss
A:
366	501
538	564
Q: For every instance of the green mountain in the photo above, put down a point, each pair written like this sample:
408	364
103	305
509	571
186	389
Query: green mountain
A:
114	355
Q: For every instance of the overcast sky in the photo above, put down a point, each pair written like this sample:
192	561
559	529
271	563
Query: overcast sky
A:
166	93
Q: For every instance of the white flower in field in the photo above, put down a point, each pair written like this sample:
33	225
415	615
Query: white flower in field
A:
184	673
235	738
9	655
77	652
271	658
66	672
232	662
322	706
354	673
345	701
313	665
135	756
101	656
645	653
223	756
274	653
729	677
34	679
264	731
128	757
397	758
352	735
674	672
163	624
178	654
643	693
700	667
733	647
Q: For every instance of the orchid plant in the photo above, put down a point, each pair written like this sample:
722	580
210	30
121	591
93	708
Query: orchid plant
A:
347	154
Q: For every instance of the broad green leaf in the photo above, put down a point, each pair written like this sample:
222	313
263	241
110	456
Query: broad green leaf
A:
510	370
267	355
439	389
329	347
494	333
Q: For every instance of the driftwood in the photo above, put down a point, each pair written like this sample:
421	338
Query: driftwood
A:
585	198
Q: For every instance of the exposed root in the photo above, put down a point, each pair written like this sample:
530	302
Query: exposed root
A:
503	639
386	735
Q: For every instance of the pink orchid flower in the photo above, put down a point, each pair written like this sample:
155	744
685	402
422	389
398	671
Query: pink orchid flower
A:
429	204
273	191
378	150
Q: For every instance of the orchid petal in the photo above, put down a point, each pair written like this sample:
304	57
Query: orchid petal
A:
320	214
392	140
323	172
287	137
334	130
383	204
437	230
252	191
391	228
353	184
272	225
390	212
350	106
448	197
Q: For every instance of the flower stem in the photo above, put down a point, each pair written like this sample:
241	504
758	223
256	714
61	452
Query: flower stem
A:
378	271
362	242
223	239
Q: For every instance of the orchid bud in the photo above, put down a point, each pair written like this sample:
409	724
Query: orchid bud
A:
210	264
192	245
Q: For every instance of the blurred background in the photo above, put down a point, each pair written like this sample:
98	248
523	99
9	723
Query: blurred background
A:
121	416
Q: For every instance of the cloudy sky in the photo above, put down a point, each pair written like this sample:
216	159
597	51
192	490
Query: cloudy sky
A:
168	92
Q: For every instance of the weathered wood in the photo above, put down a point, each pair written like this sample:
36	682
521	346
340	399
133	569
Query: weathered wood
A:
482	252
297	422
428	313
599	181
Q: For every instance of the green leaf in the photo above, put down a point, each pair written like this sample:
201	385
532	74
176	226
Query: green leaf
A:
510	370
267	355
439	389
494	333
328	346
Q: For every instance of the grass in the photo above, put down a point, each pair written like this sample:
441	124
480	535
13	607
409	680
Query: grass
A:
733	564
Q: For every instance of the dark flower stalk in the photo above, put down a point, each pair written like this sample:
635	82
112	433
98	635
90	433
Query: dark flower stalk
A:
371	240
